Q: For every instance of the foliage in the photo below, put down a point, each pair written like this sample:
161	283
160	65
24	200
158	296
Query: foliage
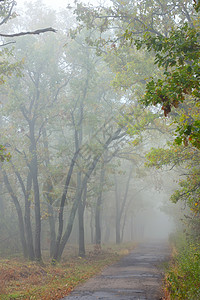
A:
4	155
7	67
172	155
183	277
189	187
130	17
179	55
6	10
175	42
197	5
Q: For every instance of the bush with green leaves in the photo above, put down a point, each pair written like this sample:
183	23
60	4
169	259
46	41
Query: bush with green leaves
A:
183	276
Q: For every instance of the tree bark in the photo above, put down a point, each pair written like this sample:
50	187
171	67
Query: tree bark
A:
52	229
19	214
92	226
98	206
117	213
107	231
27	219
27	214
120	210
34	173
75	207
31	117
38	31
60	247
61	211
81	210
49	189
99	201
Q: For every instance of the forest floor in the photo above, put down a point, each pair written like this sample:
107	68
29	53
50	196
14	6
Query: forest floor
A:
20	279
137	276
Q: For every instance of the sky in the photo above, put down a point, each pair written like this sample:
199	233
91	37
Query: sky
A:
52	3
55	4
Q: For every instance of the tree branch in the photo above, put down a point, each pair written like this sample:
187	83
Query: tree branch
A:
38	31
8	43
9	14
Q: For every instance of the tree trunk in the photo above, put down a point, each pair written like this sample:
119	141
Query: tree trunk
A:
118	238
27	214
98	206
19	214
132	230
81	230
117	213
97	226
107	233
2	210
123	227
68	229
27	219
75	207
49	188
60	246
52	229
120	210
56	254
92	226
34	174
38	253
81	210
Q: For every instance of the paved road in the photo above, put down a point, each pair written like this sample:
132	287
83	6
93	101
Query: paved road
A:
136	276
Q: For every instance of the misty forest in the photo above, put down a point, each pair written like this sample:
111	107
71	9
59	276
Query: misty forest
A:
99	142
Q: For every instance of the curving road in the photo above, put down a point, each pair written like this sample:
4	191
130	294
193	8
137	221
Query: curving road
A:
136	276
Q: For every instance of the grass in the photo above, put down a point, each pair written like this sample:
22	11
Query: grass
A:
183	275
27	280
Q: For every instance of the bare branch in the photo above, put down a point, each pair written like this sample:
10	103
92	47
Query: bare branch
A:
8	43
9	14
40	130
38	31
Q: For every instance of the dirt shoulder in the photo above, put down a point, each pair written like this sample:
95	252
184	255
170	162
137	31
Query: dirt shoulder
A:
21	279
137	276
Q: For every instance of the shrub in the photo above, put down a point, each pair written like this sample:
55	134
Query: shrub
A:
183	276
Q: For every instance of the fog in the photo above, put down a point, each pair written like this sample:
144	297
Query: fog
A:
59	4
157	225
77	140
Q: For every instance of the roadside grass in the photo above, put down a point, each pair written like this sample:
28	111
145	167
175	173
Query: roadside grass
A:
21	279
183	275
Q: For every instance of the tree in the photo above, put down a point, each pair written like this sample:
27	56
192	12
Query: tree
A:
29	101
6	13
179	88
188	192
120	207
175	41
7	68
179	55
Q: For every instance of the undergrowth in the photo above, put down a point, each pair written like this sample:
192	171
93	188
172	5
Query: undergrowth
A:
183	276
28	280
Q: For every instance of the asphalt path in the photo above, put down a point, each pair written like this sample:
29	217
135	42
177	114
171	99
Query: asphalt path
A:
137	276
